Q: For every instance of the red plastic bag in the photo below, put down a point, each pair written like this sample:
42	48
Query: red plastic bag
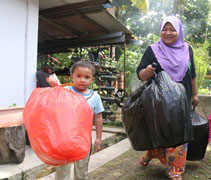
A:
59	125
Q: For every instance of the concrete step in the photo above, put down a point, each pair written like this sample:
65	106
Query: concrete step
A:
32	165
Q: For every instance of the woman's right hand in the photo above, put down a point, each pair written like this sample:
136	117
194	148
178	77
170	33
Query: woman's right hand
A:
147	73
150	71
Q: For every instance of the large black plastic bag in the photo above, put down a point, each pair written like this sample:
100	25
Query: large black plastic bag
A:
197	147
134	120
158	115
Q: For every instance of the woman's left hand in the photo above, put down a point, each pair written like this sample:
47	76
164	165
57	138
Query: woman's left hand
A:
195	100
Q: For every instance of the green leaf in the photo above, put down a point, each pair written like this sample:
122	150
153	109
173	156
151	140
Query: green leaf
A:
141	4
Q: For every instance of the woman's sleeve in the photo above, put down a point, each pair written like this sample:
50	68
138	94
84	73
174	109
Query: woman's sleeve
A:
193	71
145	60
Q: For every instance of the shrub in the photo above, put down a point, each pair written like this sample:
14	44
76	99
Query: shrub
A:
204	91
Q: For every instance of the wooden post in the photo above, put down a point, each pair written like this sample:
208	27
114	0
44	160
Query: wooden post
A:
124	63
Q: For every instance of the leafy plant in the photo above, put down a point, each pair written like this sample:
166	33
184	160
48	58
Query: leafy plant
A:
204	91
141	4
13	105
133	56
114	124
202	60
197	21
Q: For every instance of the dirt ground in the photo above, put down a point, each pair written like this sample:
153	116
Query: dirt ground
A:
126	167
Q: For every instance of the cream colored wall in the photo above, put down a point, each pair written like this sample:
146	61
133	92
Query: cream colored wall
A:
18	50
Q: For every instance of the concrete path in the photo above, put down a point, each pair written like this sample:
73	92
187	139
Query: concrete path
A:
32	164
100	158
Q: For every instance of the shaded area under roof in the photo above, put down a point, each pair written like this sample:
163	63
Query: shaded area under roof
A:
82	24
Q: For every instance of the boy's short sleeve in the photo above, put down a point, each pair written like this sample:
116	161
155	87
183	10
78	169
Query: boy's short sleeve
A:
98	108
95	101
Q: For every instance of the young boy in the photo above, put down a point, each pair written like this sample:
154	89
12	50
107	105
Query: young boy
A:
82	76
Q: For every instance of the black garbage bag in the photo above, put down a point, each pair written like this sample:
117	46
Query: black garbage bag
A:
197	147
158	115
134	120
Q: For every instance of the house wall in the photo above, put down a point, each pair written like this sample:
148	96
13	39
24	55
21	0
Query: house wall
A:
18	50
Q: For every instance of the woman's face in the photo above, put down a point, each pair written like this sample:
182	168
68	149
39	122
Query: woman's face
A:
168	34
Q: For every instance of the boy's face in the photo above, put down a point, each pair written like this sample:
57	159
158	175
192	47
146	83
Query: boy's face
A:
82	77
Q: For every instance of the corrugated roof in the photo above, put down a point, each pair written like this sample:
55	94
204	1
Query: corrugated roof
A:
79	23
105	19
47	4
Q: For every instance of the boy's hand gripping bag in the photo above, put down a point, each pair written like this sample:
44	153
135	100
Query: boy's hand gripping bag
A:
59	125
158	115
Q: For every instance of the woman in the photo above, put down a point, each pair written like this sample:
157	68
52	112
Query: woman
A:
175	57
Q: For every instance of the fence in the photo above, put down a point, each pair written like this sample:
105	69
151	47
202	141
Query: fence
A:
206	83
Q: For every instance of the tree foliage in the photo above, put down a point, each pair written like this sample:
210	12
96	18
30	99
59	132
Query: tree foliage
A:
202	60
133	56
197	23
141	4
195	15
143	18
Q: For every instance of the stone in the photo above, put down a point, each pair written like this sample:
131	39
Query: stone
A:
204	107
12	144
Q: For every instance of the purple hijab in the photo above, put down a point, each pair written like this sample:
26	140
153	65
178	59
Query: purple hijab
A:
174	58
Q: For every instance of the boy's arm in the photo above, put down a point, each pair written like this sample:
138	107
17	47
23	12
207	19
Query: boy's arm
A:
98	124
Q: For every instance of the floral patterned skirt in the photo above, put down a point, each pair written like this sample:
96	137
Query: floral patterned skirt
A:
173	159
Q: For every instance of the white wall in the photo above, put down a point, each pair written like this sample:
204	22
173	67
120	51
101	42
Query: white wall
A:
18	50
